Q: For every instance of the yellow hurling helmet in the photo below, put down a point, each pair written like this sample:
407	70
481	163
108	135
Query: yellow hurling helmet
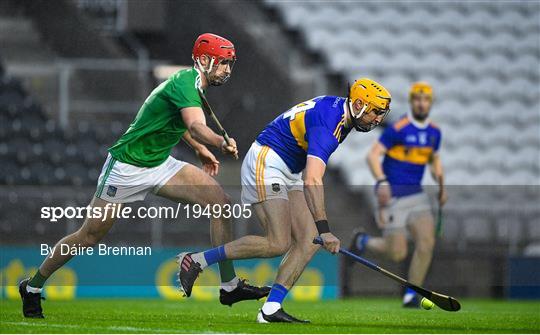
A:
374	97
421	87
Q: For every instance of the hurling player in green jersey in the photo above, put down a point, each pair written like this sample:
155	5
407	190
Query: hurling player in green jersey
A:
140	163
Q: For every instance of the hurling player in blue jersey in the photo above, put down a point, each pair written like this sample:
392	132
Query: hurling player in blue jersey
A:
282	177
407	146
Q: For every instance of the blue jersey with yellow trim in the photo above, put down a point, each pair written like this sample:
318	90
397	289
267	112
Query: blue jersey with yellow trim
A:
409	149
312	128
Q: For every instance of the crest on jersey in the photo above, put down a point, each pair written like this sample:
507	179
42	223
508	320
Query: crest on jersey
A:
111	191
422	138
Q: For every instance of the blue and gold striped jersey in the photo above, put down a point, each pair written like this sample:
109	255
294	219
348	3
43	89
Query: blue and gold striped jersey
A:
409	148
312	128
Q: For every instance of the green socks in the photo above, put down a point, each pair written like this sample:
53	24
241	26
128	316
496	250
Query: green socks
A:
38	280
226	271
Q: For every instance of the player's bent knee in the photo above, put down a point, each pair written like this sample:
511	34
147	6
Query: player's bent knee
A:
278	248
308	247
398	255
426	245
225	199
308	251
88	239
219	197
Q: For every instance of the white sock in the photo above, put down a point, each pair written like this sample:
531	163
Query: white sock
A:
271	307
31	289
199	258
230	285
408	297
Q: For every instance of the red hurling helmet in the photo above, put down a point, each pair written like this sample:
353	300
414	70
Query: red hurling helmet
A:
214	46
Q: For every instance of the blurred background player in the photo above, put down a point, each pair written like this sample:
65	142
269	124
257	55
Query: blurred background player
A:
140	163
282	177
408	146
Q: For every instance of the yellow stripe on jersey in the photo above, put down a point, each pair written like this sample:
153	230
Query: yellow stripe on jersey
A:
340	123
338	128
298	129
415	155
338	136
259	173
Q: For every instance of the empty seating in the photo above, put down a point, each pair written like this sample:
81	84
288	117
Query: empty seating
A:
35	151
483	60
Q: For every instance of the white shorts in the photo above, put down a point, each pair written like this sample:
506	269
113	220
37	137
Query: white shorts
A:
121	183
403	211
265	176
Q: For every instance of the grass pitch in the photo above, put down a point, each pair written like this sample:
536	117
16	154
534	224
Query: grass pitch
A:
341	316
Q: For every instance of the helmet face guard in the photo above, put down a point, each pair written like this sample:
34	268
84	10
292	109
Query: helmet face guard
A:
367	108
220	51
210	70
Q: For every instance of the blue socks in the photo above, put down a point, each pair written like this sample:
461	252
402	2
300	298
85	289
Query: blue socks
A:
410	295
361	242
210	256
277	294
275	298
215	255
409	290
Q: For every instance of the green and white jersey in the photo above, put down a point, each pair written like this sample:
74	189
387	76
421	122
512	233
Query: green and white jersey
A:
159	126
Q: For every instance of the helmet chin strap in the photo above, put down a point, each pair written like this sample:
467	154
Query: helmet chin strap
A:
356	118
207	71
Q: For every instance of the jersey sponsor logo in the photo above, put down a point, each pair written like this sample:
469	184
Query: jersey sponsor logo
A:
410	138
336	102
111	191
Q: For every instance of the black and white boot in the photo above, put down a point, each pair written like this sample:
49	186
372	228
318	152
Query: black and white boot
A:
188	272
279	316
243	291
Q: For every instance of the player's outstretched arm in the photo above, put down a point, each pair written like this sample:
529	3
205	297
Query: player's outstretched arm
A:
314	193
437	173
382	186
374	162
209	162
192	142
195	122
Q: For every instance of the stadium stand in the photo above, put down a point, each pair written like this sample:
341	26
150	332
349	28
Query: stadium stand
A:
489	85
36	150
486	76
45	164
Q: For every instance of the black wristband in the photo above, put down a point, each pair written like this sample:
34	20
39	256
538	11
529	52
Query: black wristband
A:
322	226
379	182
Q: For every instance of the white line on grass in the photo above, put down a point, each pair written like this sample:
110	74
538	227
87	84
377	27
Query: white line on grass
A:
117	328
